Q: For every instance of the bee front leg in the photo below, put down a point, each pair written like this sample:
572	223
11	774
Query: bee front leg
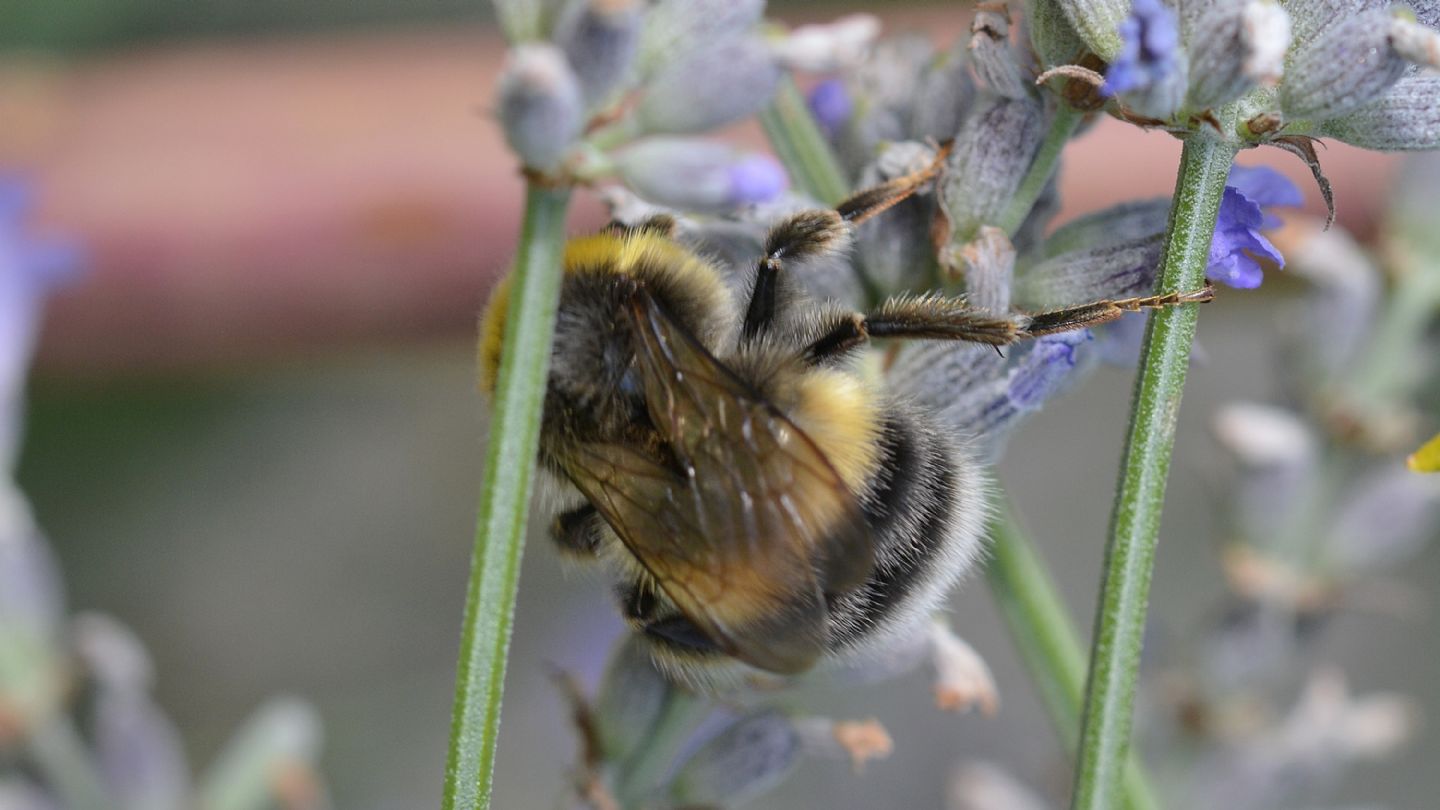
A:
812	233
577	531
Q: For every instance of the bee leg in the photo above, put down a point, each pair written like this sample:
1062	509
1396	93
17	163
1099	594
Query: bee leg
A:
678	631
939	318
1098	312
811	233
868	202
928	318
577	531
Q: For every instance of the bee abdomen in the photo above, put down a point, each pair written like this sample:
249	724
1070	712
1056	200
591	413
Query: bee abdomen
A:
926	508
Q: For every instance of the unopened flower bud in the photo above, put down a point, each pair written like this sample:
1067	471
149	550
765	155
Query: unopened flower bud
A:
112	654
895	249
997	63
746	759
31	594
859	741
1054	37
985	169
1346	66
1097	22
275	749
716	85
677	28
540	105
601	42
943	97
138	752
632	696
1385	519
828	47
1236	45
702	176
986	786
962	678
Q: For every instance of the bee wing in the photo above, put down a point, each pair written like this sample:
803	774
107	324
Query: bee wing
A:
746	526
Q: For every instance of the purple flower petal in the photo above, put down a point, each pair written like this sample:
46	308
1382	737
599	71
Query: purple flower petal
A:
1045	370
1237	240
1264	185
1150	37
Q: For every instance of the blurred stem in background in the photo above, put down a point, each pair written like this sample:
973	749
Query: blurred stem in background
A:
1045	636
1140	495
505	499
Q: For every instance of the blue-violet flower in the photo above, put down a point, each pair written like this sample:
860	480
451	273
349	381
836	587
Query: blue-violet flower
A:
1151	40
830	104
1248	193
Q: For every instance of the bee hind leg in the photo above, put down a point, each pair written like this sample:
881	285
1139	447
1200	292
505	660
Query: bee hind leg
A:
934	317
1093	314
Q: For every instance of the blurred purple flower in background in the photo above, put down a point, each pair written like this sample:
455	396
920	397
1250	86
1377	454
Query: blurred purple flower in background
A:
30	268
1248	193
831	105
1151	39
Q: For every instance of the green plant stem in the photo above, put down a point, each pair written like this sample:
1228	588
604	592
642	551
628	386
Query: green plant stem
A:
1047	160
1139	498
1046	639
801	146
58	753
505	499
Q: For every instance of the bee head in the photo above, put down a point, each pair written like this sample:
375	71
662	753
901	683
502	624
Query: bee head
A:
595	392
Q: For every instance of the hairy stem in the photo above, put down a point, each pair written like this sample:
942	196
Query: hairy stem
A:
1139	498
1046	639
505	500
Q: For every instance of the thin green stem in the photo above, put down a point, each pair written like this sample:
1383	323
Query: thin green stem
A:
59	754
505	500
1139	498
1046	639
801	146
1047	160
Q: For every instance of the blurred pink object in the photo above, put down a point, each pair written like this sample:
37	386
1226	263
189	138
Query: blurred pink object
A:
245	201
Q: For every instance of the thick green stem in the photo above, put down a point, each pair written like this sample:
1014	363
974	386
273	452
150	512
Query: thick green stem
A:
801	146
1047	160
1045	636
505	500
1139	498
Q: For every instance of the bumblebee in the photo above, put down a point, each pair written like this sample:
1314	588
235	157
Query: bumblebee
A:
760	503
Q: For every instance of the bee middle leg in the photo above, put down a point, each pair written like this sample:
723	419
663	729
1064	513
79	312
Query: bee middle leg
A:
944	318
577	531
811	233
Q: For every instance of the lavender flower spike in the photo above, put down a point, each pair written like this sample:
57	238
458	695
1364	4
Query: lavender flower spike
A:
1249	191
1149	53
